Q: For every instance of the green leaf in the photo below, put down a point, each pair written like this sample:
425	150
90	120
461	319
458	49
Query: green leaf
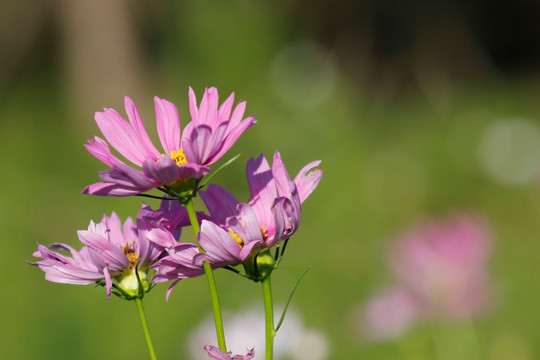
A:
290	298
207	179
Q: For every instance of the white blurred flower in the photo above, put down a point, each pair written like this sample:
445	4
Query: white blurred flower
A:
245	330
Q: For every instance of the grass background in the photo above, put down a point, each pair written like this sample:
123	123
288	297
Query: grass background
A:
390	157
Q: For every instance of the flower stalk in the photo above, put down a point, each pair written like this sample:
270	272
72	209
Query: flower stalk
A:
140	310
268	317
216	308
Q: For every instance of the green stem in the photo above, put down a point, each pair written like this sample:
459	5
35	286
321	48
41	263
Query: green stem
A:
268	317
144	324
218	319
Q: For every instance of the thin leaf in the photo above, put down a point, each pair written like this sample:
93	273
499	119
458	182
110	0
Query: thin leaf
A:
154	197
289	300
236	271
282	251
207	179
276	254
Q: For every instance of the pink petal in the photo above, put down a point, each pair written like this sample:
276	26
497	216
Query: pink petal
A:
306	181
224	111
108	282
232	137
100	149
220	202
193	109
138	126
197	146
281	177
111	189
238	113
121	135
218	243
208	108
263	190
168	124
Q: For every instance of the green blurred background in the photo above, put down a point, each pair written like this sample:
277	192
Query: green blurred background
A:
416	110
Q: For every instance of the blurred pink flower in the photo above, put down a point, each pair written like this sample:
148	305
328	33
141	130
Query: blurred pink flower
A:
441	272
443	265
389	314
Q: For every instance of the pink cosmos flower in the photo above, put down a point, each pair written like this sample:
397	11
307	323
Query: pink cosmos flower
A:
210	134
275	199
237	230
217	354
444	266
112	253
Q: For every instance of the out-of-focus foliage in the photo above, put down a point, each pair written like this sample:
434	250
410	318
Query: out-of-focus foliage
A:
414	113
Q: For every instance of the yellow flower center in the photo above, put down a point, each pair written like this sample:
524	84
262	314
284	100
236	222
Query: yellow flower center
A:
132	256
264	232
236	238
178	156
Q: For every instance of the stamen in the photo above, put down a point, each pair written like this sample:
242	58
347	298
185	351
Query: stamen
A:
264	232
132	256
236	238
178	156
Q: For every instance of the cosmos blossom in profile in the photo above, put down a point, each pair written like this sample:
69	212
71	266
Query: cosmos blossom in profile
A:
238	231
217	354
186	155
111	254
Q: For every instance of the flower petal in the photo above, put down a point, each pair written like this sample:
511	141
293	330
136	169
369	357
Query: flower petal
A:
198	146
224	111
263	190
208	108
100	149
111	189
111	255
215	353
221	249
138	126
281	176
193	109
168	124
233	133
307	179
220	202
121	135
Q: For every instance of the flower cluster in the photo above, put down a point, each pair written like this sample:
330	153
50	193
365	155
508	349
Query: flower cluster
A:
122	257
241	233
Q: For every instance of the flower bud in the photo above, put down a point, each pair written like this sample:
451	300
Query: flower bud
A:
260	266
